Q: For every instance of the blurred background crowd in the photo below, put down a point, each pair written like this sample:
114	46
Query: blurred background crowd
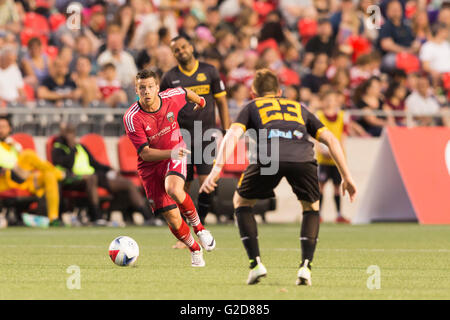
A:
375	55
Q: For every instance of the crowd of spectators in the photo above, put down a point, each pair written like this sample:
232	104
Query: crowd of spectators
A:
390	55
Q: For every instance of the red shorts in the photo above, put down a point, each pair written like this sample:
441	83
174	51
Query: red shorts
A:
153	183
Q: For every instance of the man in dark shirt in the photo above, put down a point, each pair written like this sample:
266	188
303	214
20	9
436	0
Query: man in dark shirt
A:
58	86
291	125
395	36
204	80
323	42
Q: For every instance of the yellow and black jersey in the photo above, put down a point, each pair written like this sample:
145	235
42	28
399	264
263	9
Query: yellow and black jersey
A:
285	119
205	81
336	124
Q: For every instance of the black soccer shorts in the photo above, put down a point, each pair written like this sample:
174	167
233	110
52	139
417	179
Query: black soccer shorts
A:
302	176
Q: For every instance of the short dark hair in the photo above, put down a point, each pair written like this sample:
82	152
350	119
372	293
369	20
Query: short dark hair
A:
146	73
6	117
265	81
108	65
181	36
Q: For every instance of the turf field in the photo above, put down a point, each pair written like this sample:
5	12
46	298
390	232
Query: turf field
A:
414	263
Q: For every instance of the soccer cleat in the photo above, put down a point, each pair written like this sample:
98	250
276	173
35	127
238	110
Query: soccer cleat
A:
341	219
206	240
56	223
304	275
256	273
31	220
197	258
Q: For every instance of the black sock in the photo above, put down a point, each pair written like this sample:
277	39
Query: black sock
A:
204	204
337	201
320	201
309	234
249	232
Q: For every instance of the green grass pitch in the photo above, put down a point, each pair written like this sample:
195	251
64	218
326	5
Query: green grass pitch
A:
414	263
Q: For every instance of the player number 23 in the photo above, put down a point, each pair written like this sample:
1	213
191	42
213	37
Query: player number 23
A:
272	109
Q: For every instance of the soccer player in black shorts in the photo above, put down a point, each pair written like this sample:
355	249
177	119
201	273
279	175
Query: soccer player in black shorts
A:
292	124
204	80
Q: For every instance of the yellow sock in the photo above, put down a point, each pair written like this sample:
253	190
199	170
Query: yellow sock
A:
49	182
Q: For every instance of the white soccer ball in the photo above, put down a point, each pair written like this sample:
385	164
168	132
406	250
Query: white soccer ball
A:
124	251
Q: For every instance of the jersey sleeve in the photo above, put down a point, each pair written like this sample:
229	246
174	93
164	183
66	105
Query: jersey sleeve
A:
135	131
217	85
177	96
244	117
313	125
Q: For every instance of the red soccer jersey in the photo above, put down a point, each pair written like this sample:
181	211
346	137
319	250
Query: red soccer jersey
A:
158	129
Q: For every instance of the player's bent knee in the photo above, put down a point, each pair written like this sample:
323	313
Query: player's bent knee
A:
238	201
310	206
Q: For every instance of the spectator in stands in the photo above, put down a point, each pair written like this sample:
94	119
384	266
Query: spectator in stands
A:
24	170
188	26
203	40
84	173
323	42
346	21
146	57
83	48
11	81
86	83
444	18
395	101
115	53
341	83
368	98
35	63
293	10
109	86
225	40
213	20
96	27
58	87
422	104
421	27
395	36
435	53
239	96
65	54
125	19
311	83
292	92
9	17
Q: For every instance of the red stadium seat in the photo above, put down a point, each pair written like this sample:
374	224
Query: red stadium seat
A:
37	22
51	51
128	159
26	34
49	147
97	147
360	46
407	62
25	140
307	28
446	80
56	20
29	92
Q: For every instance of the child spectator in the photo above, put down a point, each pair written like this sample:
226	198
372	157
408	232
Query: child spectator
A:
109	86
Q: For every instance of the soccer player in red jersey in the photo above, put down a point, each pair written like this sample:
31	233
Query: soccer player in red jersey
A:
151	125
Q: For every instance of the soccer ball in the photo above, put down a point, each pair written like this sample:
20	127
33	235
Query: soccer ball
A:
124	251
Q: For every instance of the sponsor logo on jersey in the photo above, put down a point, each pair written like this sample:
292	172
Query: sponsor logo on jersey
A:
148	128
275	133
200	90
298	134
201	77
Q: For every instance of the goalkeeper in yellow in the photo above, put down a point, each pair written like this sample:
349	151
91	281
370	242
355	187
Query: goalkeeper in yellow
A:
24	170
336	121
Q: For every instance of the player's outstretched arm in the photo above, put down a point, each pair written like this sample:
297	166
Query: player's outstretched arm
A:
226	148
199	101
151	154
338	156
